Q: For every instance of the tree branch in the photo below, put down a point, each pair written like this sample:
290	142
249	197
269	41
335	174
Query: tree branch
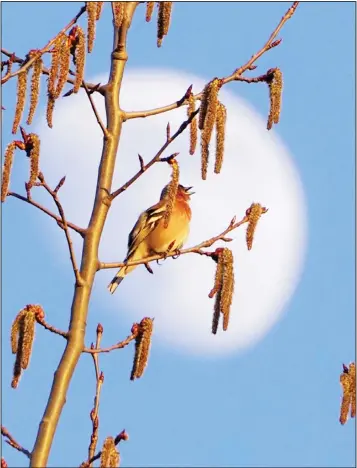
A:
89	264
156	158
119	345
97	116
54	195
78	229
235	76
47	326
195	249
11	441
27	63
99	382
45	71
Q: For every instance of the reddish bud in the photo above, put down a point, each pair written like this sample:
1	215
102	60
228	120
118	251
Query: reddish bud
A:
99	329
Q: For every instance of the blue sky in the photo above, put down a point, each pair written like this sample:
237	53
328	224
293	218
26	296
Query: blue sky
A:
278	403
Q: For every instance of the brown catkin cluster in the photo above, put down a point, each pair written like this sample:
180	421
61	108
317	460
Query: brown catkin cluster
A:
172	191
253	213
110	457
92	9
20	100
64	64
207	119
118	13
6	172
22	338
149	10
275	90
163	20
99	10
33	150
193	127
79	57
142	348
221	119
223	288
35	88
348	383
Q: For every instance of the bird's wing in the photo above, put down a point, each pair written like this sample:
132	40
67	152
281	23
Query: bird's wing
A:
147	222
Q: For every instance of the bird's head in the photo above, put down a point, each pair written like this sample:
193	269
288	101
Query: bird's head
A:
183	193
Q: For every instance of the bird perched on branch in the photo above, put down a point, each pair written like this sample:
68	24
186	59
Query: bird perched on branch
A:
149	236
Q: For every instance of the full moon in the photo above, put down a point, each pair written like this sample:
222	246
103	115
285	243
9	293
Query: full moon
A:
257	167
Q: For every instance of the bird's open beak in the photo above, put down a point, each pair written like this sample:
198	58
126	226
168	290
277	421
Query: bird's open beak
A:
187	190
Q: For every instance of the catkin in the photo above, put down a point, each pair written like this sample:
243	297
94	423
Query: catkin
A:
21	100
35	88
92	10
216	291
172	191
207	120
253	213
149	10
221	119
227	286
6	172
34	154
55	64
64	64
163	20
110	456
352	374
80	57
275	91
22	338
49	111
99	10
223	288
142	348
193	127
118	12
346	397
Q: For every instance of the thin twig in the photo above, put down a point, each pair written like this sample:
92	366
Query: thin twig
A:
11	441
195	249
99	382
54	195
78	229
119	345
235	76
45	71
156	158
52	329
97	116
27	64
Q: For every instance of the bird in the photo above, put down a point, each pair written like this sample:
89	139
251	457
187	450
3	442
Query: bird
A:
149	236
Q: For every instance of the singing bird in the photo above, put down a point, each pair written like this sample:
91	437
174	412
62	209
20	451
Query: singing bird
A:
149	236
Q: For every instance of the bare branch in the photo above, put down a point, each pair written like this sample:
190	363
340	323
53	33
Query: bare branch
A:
11	441
195	249
235	76
78	229
41	321
97	116
156	158
119	345
99	382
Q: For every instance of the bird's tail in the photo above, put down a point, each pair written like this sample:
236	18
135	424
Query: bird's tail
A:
118	278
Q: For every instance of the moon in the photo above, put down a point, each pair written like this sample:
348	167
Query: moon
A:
257	167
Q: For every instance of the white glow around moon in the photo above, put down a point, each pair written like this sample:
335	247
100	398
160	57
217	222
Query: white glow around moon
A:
257	167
